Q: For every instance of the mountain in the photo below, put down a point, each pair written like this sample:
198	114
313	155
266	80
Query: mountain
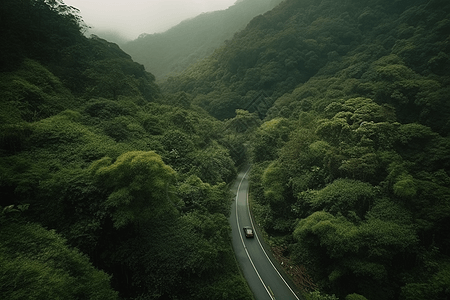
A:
108	188
193	39
300	42
343	106
115	187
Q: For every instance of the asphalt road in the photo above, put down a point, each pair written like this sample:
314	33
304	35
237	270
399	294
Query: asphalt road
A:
264	279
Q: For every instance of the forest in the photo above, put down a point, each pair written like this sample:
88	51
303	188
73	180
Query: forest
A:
113	186
109	189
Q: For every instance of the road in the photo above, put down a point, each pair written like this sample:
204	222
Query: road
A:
264	279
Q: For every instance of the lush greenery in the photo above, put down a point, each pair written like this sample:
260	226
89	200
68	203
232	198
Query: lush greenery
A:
114	188
37	264
193	39
333	46
351	162
108	189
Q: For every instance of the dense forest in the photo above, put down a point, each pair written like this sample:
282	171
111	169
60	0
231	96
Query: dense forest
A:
344	106
193	39
108	188
115	187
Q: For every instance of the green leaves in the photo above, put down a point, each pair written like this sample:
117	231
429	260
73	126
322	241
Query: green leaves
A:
32	93
316	295
357	182
355	297
37	264
362	200
429	288
37	29
405	186
364	250
138	185
270	136
201	196
214	164
273	183
344	195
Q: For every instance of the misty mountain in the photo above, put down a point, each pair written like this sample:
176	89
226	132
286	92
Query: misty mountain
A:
193	39
299	43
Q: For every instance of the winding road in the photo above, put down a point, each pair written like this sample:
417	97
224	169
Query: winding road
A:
263	277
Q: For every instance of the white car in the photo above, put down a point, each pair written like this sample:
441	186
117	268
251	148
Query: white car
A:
248	232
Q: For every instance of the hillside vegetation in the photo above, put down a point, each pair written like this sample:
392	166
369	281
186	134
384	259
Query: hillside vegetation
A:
115	187
340	44
108	189
351	159
175	49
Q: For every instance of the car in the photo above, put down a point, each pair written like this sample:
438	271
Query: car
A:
248	232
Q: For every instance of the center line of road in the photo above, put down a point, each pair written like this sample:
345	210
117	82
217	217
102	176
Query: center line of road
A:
242	239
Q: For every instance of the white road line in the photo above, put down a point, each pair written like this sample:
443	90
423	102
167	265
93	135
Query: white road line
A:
253	225
242	239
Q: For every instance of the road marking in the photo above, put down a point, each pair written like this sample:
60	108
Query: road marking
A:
259	242
242	239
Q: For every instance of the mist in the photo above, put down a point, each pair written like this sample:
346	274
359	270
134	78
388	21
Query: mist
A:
126	20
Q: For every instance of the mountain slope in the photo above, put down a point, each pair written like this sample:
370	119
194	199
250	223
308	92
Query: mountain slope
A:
303	40
193	39
344	108
94	157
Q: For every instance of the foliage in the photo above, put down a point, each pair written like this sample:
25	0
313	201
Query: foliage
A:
353	180
341	104
26	35
355	297
269	137
37	264
32	93
86	145
323	52
435	287
316	295
138	185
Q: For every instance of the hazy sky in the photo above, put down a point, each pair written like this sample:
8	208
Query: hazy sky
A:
130	18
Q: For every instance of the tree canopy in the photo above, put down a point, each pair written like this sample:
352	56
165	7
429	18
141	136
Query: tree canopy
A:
350	162
109	189
112	187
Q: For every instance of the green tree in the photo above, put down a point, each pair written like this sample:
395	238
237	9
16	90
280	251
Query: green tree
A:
433	287
355	297
178	147
243	122
316	295
214	164
138	184
269	137
38	264
37	29
198	195
353	255
341	197
273	180
110	79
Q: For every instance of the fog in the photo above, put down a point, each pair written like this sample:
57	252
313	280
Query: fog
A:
130	18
